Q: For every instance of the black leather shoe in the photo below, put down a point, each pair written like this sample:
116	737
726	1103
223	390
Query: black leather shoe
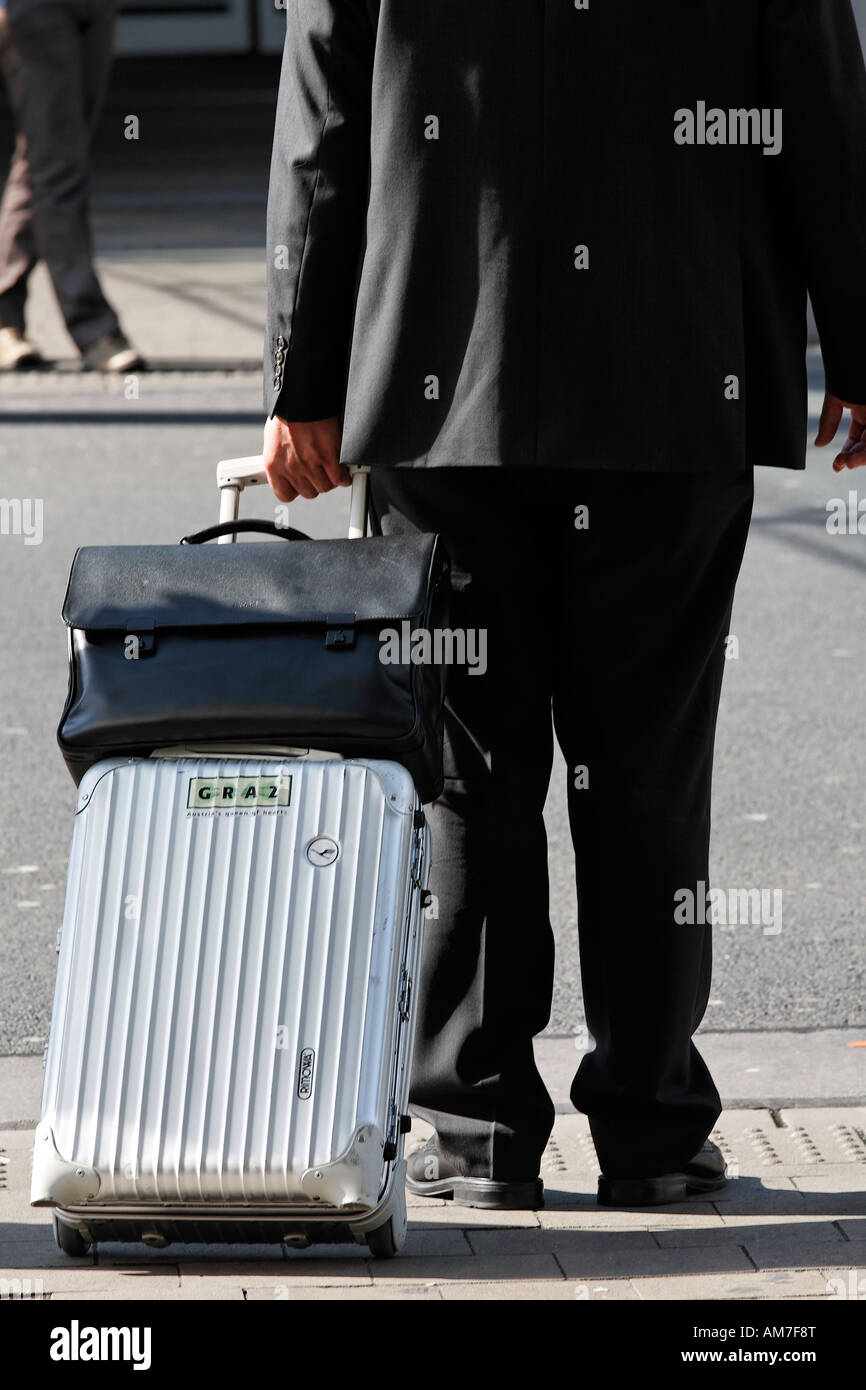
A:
705	1173
428	1174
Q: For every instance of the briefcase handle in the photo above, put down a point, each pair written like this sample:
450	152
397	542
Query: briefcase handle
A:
228	529
233	475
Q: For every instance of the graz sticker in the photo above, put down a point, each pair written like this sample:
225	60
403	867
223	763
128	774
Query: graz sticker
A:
235	793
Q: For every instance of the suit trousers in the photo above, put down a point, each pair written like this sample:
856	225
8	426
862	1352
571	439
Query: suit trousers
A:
56	58
605	601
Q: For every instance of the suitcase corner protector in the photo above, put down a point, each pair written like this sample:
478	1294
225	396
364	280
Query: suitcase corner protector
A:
355	1177
59	1181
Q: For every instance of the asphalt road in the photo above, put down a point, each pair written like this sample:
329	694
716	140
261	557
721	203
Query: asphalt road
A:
791	760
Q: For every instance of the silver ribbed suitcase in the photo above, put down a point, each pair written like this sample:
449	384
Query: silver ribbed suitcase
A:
231	1037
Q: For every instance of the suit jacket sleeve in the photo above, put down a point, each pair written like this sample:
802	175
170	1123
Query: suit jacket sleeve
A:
814	68
316	205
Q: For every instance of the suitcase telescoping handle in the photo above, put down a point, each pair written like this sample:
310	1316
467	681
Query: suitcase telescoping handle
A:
233	475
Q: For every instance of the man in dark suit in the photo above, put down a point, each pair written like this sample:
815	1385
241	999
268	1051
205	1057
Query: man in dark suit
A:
544	268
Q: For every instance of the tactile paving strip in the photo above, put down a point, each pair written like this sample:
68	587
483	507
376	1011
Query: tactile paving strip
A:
552	1160
753	1141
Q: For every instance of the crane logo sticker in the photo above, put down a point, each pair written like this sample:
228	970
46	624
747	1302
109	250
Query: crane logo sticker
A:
322	851
305	1073
217	794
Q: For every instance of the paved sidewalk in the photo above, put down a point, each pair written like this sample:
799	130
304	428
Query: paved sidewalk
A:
181	309
791	1225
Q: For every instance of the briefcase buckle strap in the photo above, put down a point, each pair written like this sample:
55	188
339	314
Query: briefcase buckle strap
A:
341	633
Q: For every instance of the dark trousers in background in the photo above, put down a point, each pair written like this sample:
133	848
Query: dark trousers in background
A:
56	58
615	636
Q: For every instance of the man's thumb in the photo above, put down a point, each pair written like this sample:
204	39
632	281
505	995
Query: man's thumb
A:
831	414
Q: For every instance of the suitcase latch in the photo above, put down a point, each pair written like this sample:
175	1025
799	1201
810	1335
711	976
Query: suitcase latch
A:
405	1001
392	1143
340	631
418	860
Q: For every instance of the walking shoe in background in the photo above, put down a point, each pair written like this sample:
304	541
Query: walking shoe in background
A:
16	351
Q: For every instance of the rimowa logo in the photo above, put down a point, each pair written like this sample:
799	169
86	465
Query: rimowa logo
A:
232	793
305	1073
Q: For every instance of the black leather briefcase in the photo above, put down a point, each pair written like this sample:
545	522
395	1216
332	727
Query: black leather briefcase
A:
278	643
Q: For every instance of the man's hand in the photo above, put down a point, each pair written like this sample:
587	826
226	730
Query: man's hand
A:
853	454
303	459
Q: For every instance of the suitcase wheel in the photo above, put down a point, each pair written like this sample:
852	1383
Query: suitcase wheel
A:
69	1238
383	1242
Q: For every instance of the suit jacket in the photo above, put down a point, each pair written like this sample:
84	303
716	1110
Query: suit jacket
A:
568	233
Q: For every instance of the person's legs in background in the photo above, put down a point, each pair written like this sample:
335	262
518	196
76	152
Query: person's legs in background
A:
18	253
64	52
97	24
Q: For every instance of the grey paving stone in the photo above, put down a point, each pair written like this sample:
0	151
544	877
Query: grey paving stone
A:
328	1254
637	1264
844	1177
844	1185
112	1255
648	1219
415	1203
41	1253
604	1291
756	1221
436	1241
280	1290
570	1190
787	1232
570	1198
568	1195
142	1260
585	1243
290	1273
91	1278
852	1253
173	1295
358	1293
449	1217
749	1196
756	1285
20	1222
854	1229
566	1291
845	1285
471	1268
775	1180
792	1253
